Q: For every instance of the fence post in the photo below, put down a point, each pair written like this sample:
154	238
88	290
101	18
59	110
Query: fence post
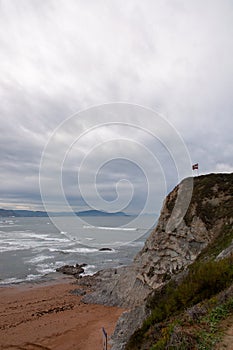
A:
105	339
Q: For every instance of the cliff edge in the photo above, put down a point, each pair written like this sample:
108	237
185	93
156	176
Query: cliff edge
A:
176	243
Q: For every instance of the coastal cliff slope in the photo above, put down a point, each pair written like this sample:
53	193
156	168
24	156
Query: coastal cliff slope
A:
176	243
166	252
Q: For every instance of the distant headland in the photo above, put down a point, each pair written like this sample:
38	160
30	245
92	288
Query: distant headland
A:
31	213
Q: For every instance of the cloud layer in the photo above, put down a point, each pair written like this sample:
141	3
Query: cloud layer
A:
58	57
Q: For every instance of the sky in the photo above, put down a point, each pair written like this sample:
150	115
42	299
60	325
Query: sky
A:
62	62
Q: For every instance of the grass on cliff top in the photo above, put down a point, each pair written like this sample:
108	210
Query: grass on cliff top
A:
204	280
220	242
207	188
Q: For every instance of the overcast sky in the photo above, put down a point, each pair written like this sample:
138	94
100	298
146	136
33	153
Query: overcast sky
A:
59	57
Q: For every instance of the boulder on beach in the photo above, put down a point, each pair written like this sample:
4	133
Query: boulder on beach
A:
73	270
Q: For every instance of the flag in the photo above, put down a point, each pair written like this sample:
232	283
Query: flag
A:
195	166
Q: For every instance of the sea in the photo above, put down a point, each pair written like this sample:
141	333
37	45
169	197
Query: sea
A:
31	248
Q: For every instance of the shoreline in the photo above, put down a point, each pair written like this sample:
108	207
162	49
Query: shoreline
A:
45	315
51	277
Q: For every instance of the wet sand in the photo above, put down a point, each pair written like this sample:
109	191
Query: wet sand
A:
46	316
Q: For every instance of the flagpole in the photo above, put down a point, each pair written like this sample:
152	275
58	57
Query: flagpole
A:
196	167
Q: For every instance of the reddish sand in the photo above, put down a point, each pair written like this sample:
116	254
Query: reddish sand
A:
47	316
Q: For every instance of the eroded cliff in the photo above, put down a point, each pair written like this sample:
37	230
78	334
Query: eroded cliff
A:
175	243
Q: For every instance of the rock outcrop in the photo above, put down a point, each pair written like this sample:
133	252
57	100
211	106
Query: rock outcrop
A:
180	236
75	271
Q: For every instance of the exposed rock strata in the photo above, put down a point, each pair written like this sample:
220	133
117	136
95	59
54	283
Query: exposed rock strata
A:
175	243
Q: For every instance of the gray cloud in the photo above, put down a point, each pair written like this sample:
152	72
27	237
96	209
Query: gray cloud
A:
59	57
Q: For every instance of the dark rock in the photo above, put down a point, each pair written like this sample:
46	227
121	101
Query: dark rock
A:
129	320
75	271
105	250
54	310
89	281
78	292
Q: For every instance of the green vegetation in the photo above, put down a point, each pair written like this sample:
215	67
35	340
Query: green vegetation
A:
185	314
210	334
206	189
203	335
218	244
204	280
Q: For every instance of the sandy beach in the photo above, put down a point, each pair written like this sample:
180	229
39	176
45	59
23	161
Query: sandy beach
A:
47	316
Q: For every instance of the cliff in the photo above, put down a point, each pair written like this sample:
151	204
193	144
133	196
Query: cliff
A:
175	244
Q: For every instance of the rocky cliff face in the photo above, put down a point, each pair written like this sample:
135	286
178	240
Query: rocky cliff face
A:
175	243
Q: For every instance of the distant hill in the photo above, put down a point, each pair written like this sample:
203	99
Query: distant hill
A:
30	213
22	213
99	213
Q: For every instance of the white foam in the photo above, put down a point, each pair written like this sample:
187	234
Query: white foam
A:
14	246
33	277
44	269
54	239
38	236
21	240
56	250
136	244
39	258
110	228
11	280
14	280
7	222
79	250
89	270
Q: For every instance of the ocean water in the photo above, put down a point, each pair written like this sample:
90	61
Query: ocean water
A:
31	248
